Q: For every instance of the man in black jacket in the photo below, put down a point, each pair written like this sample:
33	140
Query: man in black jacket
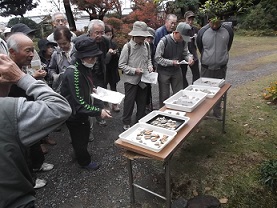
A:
77	87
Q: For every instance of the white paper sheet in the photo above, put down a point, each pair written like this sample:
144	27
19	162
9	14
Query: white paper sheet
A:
108	95
149	77
183	62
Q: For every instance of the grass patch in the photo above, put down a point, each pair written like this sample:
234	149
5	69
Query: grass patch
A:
256	63
243	45
227	165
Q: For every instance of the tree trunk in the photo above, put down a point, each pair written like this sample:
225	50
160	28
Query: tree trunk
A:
69	15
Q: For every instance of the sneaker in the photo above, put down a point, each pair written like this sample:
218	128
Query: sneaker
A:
126	127
44	167
102	122
92	166
40	183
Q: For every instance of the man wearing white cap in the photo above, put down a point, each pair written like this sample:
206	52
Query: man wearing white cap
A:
135	58
171	50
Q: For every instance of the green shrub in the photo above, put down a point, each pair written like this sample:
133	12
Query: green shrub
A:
269	174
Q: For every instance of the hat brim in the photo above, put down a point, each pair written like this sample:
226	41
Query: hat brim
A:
186	38
191	16
86	54
140	33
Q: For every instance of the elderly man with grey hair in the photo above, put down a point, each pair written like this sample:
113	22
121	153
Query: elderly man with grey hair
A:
96	30
59	19
168	27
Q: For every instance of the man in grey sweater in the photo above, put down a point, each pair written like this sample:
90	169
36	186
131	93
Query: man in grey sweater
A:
23	123
214	41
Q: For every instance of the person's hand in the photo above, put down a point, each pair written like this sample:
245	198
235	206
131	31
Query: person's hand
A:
111	51
106	114
191	61
39	74
175	62
9	71
138	71
150	69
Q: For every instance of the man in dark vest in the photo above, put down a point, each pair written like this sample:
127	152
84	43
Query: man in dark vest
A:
171	50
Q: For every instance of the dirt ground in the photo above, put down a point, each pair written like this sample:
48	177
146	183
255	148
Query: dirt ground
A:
69	186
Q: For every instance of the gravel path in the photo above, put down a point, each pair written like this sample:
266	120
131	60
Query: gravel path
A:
69	186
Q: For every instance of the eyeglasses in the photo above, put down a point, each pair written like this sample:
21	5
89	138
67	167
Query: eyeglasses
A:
99	32
60	20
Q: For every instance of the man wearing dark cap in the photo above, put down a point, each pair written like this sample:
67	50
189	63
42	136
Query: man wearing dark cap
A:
20	27
77	87
170	51
189	18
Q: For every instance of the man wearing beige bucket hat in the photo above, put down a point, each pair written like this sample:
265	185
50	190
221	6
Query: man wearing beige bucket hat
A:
135	59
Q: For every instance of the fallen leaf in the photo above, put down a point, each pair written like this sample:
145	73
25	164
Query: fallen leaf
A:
195	193
223	200
207	189
258	107
261	119
245	125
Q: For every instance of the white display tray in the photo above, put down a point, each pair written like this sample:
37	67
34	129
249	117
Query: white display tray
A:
175	112
211	91
179	121
185	100
130	136
209	82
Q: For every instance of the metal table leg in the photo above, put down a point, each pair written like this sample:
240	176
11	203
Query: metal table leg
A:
131	180
167	185
224	112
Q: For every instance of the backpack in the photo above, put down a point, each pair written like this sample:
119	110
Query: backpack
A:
129	49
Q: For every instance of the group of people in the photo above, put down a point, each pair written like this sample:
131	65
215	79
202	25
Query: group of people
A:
59	90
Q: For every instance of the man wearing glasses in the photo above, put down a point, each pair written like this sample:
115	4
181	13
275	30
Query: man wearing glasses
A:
59	19
168	27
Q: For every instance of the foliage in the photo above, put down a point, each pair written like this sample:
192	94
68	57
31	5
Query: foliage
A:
224	9
114	22
179	7
98	9
145	11
261	16
269	174
30	23
271	92
16	7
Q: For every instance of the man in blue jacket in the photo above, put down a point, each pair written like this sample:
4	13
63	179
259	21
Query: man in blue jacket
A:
168	27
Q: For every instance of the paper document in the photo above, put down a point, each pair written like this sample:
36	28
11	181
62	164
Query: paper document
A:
108	95
183	62
149	77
